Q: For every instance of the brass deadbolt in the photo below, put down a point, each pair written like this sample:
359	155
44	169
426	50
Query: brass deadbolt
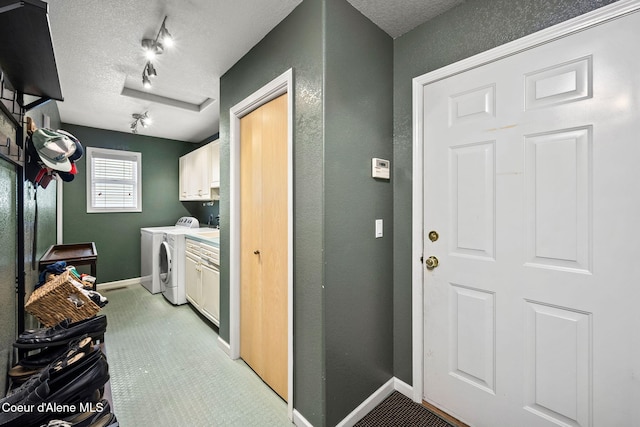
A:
433	236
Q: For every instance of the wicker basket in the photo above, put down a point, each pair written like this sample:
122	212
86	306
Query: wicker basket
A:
59	299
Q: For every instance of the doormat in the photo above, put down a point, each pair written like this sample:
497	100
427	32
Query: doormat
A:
398	410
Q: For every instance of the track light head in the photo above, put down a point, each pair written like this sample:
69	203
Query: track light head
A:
146	82
165	37
145	120
152	48
150	69
142	119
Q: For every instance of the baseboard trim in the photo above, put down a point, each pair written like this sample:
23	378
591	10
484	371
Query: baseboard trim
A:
224	346
299	420
402	387
371	402
117	284
394	384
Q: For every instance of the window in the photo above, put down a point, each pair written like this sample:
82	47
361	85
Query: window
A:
113	181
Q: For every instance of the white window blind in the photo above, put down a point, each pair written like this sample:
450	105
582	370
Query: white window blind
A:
113	181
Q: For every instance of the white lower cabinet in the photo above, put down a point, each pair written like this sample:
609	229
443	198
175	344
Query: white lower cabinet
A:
210	301
202	279
193	281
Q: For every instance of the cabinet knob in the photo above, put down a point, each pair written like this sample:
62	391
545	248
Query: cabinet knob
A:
257	252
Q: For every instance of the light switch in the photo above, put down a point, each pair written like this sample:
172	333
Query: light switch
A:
379	227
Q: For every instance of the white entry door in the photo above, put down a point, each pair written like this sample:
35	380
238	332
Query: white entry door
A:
532	183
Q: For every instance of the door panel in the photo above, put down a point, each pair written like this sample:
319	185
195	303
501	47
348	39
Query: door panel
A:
264	250
530	316
250	241
274	251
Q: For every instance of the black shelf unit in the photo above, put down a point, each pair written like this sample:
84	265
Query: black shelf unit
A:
26	51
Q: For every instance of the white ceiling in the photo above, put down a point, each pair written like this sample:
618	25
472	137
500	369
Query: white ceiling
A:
98	53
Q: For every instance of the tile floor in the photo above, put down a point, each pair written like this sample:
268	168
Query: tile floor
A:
167	369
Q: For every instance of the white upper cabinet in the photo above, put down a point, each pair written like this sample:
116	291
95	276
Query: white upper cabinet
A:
200	173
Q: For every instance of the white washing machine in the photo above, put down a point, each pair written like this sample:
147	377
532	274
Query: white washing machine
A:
151	239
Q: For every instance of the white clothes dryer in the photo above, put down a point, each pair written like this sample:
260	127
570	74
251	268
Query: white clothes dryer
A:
151	239
169	270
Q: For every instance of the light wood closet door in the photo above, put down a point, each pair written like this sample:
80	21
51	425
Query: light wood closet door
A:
264	228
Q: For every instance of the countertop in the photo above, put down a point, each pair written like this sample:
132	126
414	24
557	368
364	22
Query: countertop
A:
210	236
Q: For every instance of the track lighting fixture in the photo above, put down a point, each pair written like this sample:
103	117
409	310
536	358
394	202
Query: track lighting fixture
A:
140	119
152	48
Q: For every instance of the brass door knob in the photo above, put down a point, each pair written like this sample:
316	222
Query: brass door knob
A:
431	263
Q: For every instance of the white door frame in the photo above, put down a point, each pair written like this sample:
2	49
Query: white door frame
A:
279	86
598	16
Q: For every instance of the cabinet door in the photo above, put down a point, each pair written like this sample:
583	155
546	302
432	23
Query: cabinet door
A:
202	173
193	173
215	165
184	178
192	282
188	176
211	293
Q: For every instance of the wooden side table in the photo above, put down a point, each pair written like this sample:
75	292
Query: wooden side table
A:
73	254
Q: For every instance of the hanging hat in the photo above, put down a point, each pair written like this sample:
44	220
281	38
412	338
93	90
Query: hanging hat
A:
54	149
69	176
66	176
79	150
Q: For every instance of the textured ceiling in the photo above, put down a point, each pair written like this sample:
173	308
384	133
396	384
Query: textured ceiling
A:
99	57
399	16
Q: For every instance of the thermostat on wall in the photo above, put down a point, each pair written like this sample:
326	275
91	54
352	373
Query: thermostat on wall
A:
380	168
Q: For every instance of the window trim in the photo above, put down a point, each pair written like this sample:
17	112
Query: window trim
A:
105	153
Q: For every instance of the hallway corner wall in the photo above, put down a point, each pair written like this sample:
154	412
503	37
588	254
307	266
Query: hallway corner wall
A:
358	286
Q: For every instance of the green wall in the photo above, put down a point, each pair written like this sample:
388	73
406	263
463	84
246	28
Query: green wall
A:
295	43
117	235
358	302
472	27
